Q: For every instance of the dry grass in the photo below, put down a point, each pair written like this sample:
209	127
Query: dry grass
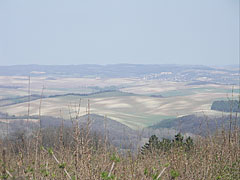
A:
77	155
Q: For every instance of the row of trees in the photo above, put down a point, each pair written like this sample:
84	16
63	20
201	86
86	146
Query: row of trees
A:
154	144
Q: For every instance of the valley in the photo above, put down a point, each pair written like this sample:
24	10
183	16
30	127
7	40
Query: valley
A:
135	100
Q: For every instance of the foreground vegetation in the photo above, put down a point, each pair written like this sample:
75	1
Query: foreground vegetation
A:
79	154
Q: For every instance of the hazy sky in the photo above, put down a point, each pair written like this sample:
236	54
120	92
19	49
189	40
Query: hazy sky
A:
119	31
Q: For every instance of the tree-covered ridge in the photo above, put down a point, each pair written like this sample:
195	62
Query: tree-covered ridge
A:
226	106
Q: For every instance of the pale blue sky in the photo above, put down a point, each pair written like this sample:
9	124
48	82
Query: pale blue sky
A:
119	31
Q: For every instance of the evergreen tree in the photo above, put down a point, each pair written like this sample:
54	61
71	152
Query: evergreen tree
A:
154	144
189	143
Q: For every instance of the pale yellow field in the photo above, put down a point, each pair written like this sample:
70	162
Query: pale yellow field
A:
133	110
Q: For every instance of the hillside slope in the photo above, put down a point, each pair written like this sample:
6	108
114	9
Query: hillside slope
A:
197	124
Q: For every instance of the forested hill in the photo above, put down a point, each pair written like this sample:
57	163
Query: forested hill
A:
226	106
197	124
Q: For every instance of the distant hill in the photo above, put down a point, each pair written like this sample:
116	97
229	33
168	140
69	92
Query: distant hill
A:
169	72
199	125
117	133
114	70
226	106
